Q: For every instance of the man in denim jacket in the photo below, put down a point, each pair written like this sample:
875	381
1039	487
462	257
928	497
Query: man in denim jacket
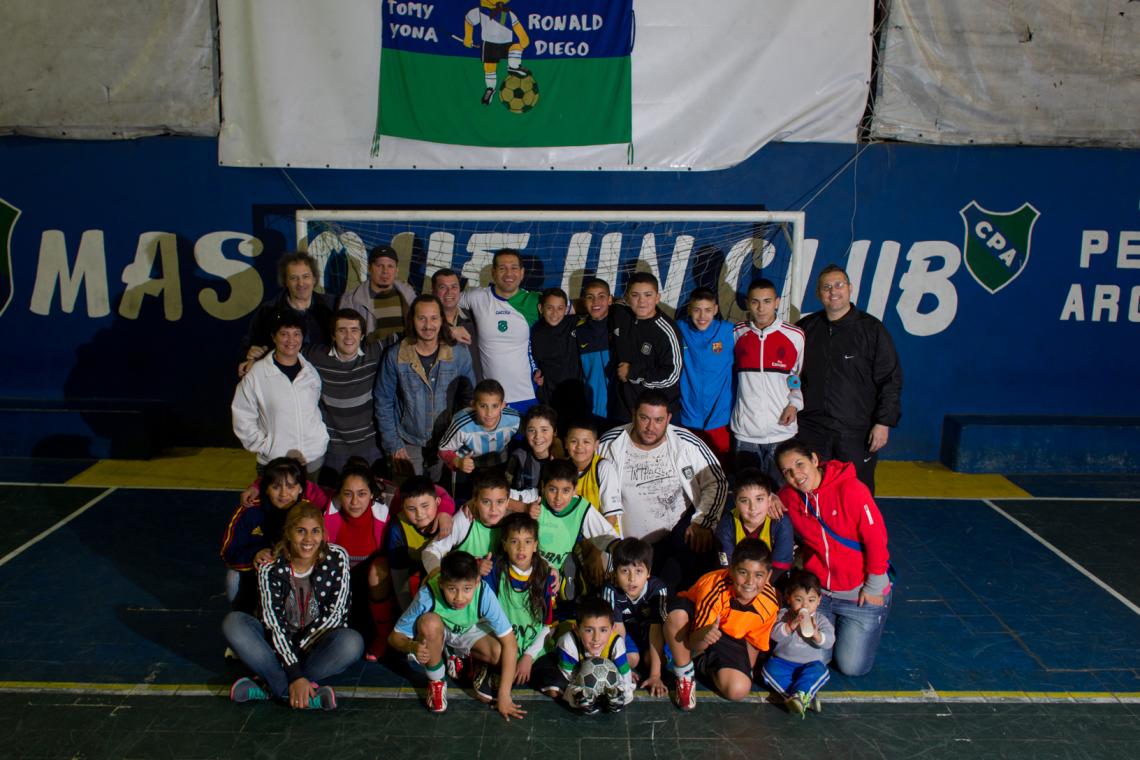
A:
424	379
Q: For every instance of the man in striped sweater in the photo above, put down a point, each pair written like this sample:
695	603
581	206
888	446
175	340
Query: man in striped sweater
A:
348	372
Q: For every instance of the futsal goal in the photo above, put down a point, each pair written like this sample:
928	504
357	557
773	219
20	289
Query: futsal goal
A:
720	250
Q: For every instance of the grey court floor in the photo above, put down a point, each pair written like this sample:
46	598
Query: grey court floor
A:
1014	633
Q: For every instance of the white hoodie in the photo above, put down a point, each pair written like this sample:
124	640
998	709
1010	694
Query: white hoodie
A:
271	415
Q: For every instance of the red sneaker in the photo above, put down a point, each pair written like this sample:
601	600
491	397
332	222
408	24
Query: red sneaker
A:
686	693
437	696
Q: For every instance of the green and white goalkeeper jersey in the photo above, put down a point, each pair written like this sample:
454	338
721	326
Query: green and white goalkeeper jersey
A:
503	327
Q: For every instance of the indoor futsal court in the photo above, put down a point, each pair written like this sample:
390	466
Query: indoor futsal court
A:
1012	635
242	241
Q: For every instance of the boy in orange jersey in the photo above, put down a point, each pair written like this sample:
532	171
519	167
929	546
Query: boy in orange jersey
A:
723	622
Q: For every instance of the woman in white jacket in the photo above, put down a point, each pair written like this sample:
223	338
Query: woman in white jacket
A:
276	408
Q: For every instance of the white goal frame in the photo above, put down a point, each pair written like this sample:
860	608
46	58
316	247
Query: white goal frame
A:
795	220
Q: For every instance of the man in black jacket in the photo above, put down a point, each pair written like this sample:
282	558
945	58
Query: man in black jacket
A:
297	272
852	379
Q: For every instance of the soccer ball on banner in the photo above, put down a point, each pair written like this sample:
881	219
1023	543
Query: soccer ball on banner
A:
595	676
519	93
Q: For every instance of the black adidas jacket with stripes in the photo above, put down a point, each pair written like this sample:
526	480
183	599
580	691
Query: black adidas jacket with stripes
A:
653	349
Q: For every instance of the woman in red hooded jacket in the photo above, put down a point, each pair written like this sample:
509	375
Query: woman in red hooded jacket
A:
844	541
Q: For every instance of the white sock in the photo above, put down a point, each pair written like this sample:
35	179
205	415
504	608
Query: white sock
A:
684	671
514	59
490	80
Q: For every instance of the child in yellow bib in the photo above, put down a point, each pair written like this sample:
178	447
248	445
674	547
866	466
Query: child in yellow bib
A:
750	518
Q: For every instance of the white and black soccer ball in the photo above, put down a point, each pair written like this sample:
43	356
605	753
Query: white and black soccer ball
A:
595	677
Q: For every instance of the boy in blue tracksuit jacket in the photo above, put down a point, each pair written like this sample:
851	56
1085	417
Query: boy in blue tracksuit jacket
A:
594	338
706	372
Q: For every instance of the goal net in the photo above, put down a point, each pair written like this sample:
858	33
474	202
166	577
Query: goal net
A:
720	250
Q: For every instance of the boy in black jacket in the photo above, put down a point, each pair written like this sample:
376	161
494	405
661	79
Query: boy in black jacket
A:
647	349
554	348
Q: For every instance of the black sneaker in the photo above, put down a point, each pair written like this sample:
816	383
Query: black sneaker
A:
485	683
487	95
519	72
588	707
611	705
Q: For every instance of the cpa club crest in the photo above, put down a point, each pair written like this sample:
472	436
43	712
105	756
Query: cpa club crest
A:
8	216
996	247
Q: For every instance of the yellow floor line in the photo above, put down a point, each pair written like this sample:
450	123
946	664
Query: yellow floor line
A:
175	468
124	689
234	468
218	468
409	692
932	479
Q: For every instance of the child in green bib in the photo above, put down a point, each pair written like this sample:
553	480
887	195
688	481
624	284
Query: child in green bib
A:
526	587
457	612
474	530
564	519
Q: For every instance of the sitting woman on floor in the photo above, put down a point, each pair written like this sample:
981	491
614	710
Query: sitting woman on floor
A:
301	637
844	542
357	521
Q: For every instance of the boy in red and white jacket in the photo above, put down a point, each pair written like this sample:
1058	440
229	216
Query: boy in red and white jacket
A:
768	354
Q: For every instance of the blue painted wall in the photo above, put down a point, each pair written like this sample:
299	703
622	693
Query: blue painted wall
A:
964	349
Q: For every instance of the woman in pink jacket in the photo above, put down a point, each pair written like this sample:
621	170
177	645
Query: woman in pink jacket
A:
356	520
844	541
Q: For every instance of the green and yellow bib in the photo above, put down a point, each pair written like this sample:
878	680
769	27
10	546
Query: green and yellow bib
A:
456	621
558	533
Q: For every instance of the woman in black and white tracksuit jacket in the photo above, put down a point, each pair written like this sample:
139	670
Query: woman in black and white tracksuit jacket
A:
302	635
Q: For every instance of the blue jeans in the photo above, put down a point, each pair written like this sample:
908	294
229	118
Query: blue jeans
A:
857	632
762	456
332	653
790	678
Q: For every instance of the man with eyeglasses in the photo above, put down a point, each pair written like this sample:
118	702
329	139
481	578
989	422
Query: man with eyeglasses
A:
852	379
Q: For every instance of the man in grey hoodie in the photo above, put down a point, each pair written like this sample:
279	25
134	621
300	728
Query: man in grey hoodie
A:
381	299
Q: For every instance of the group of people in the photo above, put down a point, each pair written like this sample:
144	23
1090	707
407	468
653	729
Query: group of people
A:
491	484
